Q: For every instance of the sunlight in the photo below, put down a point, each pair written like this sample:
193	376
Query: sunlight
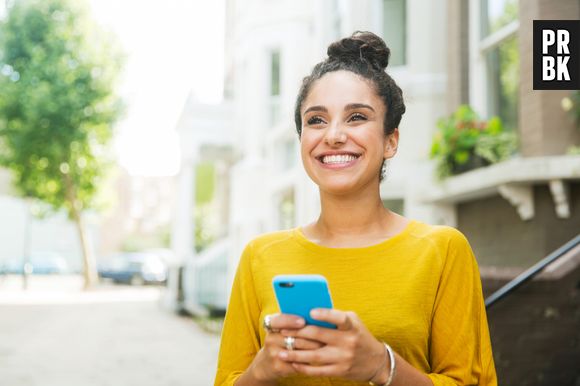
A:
163	43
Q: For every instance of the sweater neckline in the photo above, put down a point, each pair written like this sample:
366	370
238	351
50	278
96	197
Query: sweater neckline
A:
299	236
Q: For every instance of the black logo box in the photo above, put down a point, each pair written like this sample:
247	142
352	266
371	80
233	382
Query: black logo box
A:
573	28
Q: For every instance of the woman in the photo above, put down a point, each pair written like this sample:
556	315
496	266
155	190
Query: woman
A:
416	314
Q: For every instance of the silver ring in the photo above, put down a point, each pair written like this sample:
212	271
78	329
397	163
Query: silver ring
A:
267	323
289	342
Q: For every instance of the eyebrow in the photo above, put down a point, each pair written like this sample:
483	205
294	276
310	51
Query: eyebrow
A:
316	108
354	106
350	106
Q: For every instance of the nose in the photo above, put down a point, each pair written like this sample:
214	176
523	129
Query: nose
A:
335	135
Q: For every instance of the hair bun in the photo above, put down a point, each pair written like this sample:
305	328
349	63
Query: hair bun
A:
361	45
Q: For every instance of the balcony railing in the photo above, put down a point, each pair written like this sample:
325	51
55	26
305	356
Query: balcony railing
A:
532	272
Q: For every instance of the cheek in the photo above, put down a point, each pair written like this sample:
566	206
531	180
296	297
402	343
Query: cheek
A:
307	144
305	150
372	140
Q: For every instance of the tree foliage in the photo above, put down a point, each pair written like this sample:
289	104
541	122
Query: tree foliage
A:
57	103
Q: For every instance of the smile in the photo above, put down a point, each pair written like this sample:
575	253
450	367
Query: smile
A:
338	160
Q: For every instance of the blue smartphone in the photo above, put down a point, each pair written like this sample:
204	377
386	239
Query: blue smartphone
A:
298	294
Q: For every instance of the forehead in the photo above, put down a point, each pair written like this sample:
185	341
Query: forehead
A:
337	89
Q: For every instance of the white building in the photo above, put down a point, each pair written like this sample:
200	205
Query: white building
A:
205	133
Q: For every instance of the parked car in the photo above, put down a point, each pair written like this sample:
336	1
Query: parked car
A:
8	267
134	268
39	263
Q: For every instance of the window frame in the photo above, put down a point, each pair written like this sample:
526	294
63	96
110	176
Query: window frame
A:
479	46
378	21
274	101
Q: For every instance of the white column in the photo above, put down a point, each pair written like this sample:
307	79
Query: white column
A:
183	224
182	238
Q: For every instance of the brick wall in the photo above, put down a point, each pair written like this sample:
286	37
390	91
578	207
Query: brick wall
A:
535	333
492	225
545	128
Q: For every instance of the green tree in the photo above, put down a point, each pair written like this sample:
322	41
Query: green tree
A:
57	106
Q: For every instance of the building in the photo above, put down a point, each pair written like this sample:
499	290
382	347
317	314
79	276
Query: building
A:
202	206
139	215
532	197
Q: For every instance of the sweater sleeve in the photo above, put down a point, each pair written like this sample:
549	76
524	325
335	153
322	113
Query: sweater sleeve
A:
240	335
460	347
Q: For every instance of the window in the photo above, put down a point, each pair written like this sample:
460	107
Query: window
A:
274	87
287	210
395	30
275	73
287	154
497	14
499	56
3	9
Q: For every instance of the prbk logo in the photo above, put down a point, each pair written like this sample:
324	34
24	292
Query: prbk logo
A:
556	54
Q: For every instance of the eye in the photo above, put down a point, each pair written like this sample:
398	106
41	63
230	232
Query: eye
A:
315	120
357	117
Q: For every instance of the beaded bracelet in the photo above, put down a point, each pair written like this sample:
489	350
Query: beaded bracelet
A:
393	367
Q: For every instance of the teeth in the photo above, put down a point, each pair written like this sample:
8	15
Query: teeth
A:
338	159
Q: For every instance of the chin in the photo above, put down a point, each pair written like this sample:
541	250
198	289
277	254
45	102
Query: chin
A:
337	185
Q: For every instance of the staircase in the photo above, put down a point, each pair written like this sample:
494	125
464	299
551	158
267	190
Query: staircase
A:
534	321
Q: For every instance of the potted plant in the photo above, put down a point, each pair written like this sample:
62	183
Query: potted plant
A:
464	142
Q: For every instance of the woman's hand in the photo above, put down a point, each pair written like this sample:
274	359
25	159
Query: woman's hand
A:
267	365
350	351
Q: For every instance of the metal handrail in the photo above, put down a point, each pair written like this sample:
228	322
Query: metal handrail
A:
531	272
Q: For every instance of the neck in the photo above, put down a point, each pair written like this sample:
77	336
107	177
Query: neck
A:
351	215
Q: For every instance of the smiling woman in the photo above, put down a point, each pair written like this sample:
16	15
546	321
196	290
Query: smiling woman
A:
413	293
344	136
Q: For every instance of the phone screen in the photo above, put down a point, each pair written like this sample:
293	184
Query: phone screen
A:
298	294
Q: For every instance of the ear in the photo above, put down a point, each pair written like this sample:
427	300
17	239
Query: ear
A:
391	144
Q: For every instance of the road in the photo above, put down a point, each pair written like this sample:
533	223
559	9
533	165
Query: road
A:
114	335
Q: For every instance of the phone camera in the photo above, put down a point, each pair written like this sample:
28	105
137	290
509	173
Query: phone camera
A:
287	284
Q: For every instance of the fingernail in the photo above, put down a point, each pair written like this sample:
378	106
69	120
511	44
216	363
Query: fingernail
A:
283	354
299	322
315	313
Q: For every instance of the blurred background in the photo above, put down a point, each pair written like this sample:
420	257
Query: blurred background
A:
142	145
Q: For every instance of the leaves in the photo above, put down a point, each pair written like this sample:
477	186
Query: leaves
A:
496	148
56	114
463	136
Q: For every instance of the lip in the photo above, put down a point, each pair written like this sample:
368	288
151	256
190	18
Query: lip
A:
338	166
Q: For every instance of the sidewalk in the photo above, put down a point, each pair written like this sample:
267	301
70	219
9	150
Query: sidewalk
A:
54	334
69	290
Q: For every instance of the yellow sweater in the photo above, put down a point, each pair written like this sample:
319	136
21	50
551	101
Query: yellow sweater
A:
419	291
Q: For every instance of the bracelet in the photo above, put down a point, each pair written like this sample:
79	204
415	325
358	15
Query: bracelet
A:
392	370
